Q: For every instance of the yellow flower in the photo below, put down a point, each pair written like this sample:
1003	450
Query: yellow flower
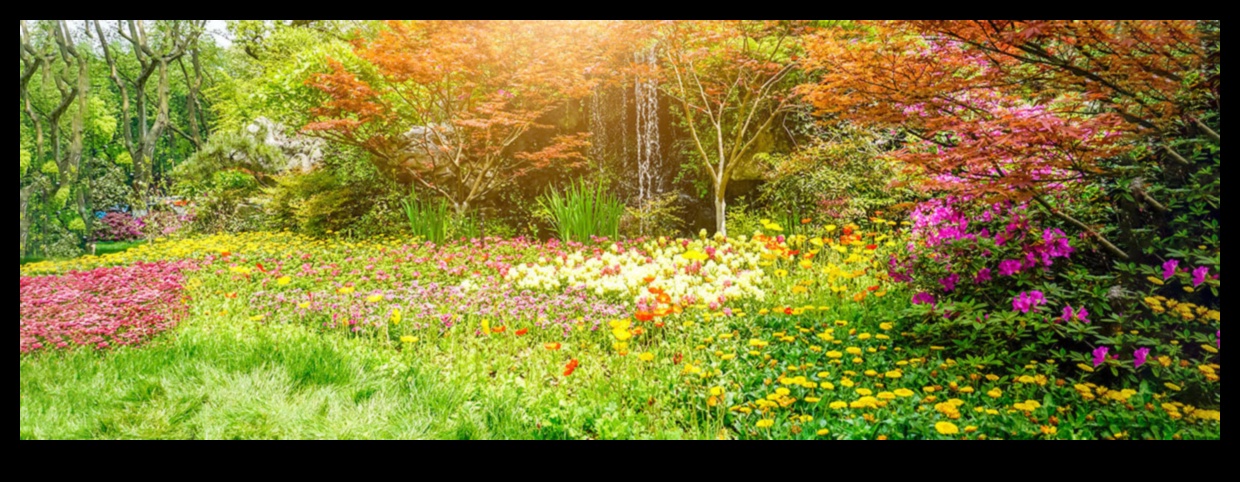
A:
812	399
904	393
408	339
396	316
256	318
947	428
766	423
1154	280
646	357
885	326
838	405
304	306
824	432
781	273
995	393
854	351
1173	387
284	281
865	392
834	354
695	255
347	290
716	391
894	374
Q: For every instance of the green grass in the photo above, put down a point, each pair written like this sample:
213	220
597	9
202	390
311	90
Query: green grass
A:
221	378
100	250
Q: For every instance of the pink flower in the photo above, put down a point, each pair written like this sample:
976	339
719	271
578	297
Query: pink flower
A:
1140	357
1009	267
923	298
1100	355
949	283
1199	275
1169	268
1027	301
983	275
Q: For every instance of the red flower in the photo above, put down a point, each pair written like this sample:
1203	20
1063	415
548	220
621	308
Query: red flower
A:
787	311
676	359
872	288
871	247
261	268
572	366
523	331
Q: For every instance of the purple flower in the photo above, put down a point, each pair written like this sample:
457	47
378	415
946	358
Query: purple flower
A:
1027	301
983	275
1082	315
1199	275
1100	355
1009	267
1169	268
949	283
923	298
1140	356
1068	314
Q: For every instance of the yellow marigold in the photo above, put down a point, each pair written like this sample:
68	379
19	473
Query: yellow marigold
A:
886	396
838	405
408	339
823	432
765	423
893	374
994	393
865	392
885	326
646	357
904	393
947	428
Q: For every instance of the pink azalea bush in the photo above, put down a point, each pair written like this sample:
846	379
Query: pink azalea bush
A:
101	308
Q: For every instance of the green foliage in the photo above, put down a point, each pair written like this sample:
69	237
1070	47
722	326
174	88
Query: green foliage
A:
23	163
583	211
843	180
656	217
743	219
50	169
332	200
232	150
428	219
59	199
124	160
109	186
77	225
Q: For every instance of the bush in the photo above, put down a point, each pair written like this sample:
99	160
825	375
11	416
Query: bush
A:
994	285
655	217
583	211
118	226
109	186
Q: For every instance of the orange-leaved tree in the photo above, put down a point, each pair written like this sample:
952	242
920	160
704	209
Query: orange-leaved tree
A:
448	104
1014	110
730	80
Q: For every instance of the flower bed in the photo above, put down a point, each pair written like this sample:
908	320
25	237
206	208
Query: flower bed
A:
101	308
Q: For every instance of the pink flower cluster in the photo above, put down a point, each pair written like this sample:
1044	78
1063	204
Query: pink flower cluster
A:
101	308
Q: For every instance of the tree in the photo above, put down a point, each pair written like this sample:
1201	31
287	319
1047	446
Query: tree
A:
153	54
731	81
448	104
1015	110
67	70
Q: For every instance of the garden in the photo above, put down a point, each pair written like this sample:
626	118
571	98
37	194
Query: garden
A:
596	230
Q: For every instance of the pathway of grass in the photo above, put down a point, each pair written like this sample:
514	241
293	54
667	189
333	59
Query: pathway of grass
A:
100	250
224	378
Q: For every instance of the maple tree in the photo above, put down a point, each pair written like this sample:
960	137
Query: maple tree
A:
731	80
448	104
1016	109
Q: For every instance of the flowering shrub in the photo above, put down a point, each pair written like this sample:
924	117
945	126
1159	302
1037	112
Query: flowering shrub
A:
996	286
118	226
101	308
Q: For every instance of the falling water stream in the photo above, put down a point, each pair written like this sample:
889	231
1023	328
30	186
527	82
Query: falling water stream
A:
649	162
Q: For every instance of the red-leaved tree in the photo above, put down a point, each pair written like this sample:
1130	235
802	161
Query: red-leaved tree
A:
1015	109
448	104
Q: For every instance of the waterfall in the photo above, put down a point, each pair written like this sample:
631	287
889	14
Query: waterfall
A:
649	162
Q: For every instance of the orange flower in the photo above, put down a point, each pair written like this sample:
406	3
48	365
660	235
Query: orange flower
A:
637	331
648	279
225	254
872	288
572	366
261	268
644	316
859	297
231	296
787	311
658	324
655	291
806	221
523	331
664	298
552	346
498	329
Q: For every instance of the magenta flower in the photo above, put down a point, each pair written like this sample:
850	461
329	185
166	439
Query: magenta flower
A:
1009	267
1068	314
1027	301
983	275
1140	357
949	283
923	298
1199	275
1100	355
1169	268
1082	315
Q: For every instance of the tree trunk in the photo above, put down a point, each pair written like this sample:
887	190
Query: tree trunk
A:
721	205
24	220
